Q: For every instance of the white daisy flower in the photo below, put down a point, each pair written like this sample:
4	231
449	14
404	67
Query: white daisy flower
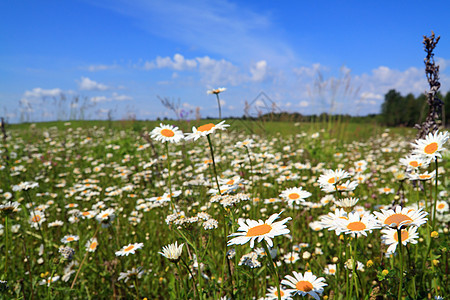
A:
36	219
130	249
204	130
390	237
295	195
346	203
331	177
431	146
251	230
303	285
356	225
401	217
91	245
167	133
272	294
330	269
413	162
332	220
216	91
172	251
341	187
70	238
442	206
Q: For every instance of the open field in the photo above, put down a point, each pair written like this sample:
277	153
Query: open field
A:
88	207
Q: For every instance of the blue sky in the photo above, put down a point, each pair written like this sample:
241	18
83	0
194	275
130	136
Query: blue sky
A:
121	55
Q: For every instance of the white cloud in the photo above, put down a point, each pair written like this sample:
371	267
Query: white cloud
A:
87	84
212	71
442	63
303	104
309	72
95	68
40	93
99	99
117	97
114	97
178	63
370	95
259	71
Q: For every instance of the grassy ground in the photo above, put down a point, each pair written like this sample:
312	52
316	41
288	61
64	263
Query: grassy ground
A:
110	181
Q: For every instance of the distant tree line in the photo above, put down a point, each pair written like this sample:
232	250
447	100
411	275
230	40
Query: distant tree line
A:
398	110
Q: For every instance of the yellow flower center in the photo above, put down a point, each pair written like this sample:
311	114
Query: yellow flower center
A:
404	235
386	190
397	219
356	226
93	245
129	248
331	180
167	132
304	286
69	239
431	148
424	176
230	182
281	293
414	164
332	271
259	230
36	218
441	206
294	196
206	127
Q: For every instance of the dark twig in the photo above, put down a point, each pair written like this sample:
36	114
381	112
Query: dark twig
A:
434	103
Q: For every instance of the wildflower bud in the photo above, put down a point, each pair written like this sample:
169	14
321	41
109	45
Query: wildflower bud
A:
161	279
435	262
435	234
67	253
421	240
335	259
349	264
325	297
369	263
385	272
445	230
306	255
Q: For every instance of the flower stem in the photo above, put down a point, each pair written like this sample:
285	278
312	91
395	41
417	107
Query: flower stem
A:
6	246
435	194
214	163
84	259
399	233
218	103
170	181
354	275
273	268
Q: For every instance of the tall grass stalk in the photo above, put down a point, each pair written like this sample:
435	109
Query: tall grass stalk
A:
272	268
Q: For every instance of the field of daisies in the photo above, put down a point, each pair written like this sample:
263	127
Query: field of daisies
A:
212	212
